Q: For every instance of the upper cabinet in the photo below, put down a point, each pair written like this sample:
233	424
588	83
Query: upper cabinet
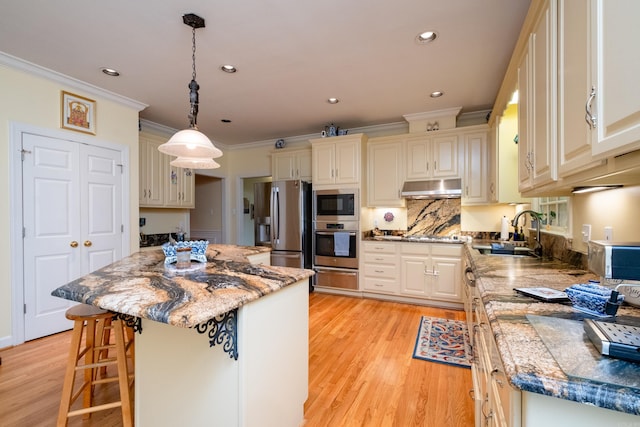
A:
475	188
431	156
336	161
613	106
537	89
163	185
385	172
291	164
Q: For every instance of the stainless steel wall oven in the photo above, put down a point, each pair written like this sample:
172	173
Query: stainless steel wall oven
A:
335	257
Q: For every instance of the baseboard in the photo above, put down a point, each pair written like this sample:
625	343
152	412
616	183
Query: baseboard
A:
6	342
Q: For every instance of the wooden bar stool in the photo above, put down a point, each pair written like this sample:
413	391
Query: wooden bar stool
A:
96	325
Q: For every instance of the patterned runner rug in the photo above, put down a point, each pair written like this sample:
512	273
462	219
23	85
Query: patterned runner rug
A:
444	341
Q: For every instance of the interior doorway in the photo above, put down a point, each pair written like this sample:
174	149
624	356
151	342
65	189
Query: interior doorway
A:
207	219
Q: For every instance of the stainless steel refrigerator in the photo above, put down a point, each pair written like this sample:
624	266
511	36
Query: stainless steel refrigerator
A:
291	224
262	213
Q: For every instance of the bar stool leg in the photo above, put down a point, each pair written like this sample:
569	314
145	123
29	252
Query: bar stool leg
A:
70	376
123	374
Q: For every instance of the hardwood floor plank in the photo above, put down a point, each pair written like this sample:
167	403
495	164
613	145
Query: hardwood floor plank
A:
361	372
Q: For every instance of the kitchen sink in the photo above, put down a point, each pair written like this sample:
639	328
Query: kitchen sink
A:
506	250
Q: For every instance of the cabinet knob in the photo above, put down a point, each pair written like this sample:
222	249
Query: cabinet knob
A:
73	244
87	243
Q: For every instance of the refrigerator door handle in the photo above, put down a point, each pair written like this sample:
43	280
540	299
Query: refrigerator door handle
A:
275	212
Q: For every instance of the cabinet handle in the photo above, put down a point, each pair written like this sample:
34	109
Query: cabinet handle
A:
498	381
435	166
466	189
472	394
379	259
589	117
144	193
379	271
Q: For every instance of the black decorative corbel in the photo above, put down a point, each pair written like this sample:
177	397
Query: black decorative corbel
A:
130	321
224	330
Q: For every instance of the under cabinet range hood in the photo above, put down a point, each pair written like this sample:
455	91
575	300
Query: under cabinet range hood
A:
432	189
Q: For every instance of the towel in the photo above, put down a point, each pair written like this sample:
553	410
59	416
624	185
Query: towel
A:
341	243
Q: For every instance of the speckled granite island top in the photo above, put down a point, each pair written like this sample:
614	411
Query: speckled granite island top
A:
141	285
529	360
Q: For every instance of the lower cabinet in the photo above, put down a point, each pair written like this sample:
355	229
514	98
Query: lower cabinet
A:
428	271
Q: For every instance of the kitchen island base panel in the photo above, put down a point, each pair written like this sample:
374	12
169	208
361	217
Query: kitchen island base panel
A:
539	410
181	380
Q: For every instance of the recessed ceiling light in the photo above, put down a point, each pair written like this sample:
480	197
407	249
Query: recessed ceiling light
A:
426	37
225	121
436	94
333	100
228	68
111	72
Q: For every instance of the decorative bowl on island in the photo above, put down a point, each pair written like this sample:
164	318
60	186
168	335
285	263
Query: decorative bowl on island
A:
198	250
593	298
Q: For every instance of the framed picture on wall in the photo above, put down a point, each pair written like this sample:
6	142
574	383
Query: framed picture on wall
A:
78	113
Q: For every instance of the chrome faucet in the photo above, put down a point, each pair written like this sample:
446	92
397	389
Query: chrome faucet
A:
536	215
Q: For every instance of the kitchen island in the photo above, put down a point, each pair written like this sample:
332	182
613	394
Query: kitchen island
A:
215	339
545	371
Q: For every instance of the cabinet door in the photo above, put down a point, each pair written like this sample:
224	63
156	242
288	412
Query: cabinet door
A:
446	282
543	77
445	156
385	174
323	163
151	173
524	121
616	67
418	157
574	85
347	161
282	166
303	165
414	272
475	170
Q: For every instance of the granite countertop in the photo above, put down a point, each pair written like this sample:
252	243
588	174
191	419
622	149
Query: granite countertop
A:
140	285
541	364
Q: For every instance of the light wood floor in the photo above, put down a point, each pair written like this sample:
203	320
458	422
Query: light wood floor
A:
361	372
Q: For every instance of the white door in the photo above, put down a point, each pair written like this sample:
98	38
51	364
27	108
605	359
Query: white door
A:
72	216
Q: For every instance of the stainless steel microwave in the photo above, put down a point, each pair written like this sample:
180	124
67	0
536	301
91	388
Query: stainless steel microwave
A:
336	205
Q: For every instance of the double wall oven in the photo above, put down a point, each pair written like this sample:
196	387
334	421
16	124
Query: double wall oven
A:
335	238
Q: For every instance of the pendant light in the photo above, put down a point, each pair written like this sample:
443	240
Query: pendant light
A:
192	147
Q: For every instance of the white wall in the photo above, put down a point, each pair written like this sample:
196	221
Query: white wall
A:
34	99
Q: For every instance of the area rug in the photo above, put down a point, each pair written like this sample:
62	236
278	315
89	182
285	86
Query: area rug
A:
444	341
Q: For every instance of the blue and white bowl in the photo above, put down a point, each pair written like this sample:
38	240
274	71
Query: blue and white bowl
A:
198	250
591	297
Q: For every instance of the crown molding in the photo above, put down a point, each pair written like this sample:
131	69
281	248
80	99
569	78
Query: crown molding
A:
39	71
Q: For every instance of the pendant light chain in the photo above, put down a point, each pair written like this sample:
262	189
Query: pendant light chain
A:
193	87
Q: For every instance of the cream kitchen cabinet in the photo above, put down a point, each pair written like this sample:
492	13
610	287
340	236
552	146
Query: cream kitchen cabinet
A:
536	107
380	267
291	164
615	67
432	271
179	186
432	156
385	172
151	188
336	161
475	187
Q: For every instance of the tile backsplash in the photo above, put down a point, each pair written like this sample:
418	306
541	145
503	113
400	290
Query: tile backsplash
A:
435	217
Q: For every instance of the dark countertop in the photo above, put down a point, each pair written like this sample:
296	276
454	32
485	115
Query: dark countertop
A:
141	285
531	362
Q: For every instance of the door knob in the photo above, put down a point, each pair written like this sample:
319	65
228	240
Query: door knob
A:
87	243
73	244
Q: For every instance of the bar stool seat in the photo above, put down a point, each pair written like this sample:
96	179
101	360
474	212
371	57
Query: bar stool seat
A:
96	325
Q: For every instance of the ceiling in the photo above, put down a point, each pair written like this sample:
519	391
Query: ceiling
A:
291	55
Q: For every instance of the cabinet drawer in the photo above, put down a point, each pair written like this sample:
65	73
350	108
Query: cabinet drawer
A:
380	285
448	249
381	270
415	248
379	258
377	247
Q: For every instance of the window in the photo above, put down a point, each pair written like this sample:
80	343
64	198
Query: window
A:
556	213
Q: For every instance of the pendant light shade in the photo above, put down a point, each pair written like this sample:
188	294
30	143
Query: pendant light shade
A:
193	149
190	143
194	163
